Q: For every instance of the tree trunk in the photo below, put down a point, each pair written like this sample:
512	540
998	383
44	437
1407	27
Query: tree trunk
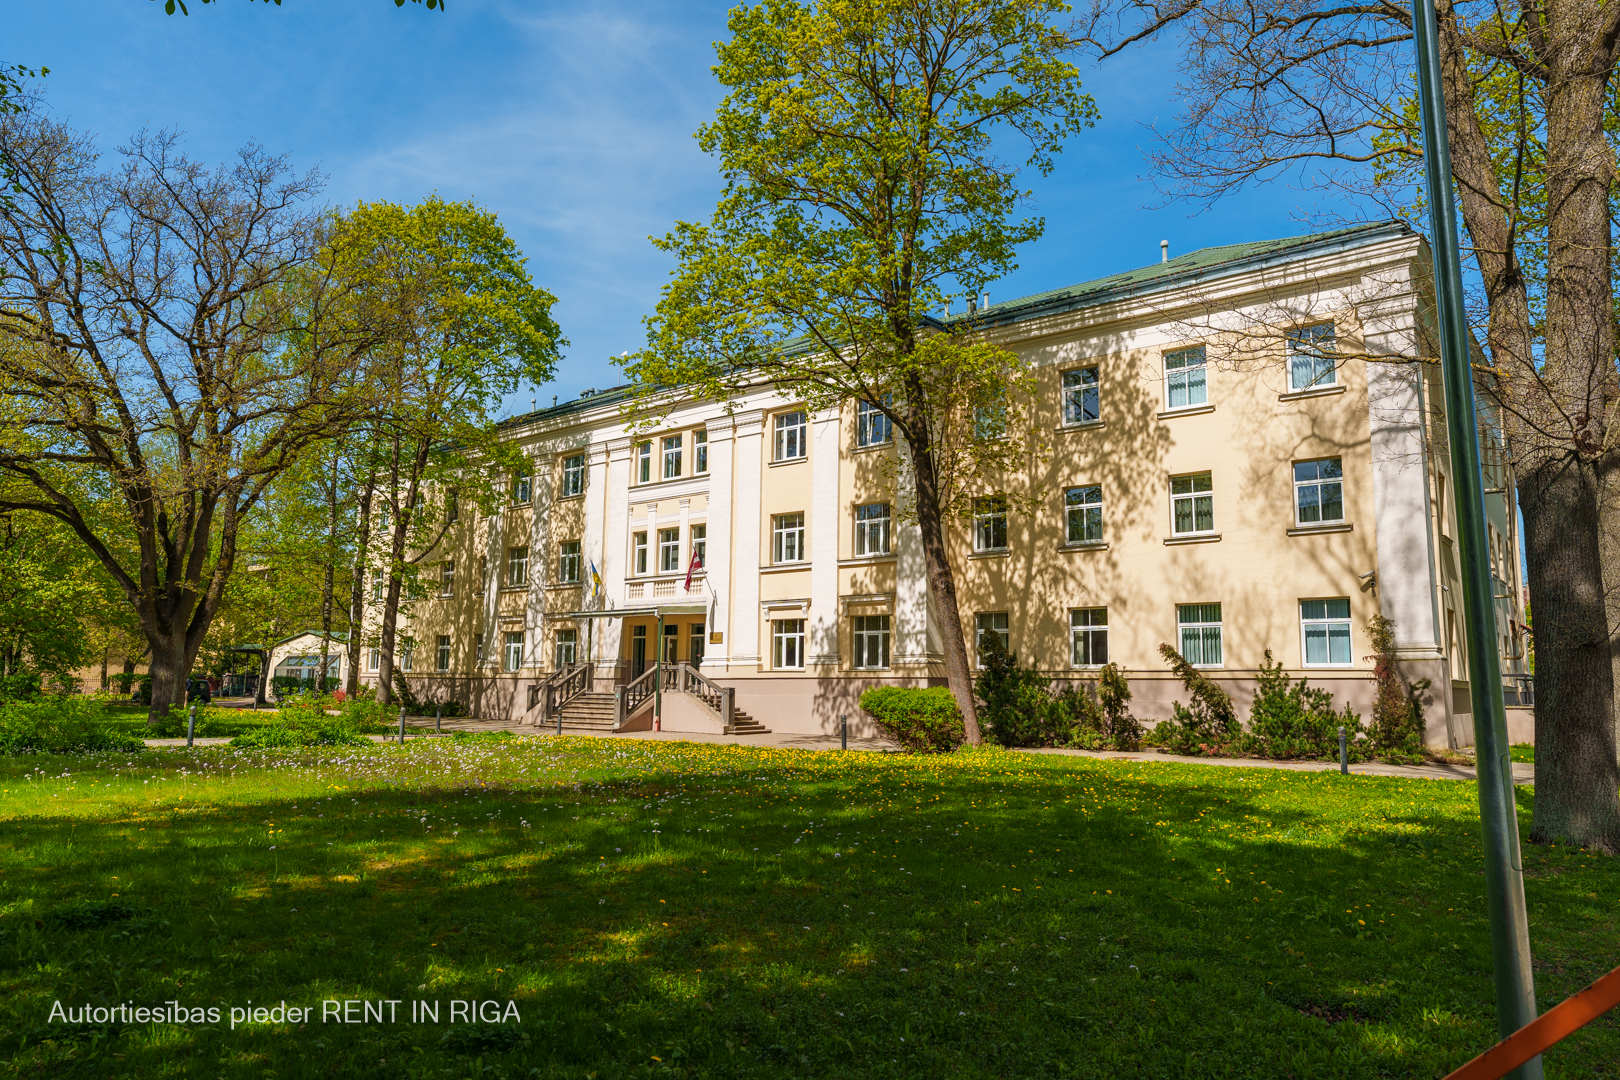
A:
942	588
1609	552
169	666
357	587
1577	774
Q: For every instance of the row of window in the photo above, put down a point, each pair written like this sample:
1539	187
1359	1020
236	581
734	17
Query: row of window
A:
572	482
790	441
1324	636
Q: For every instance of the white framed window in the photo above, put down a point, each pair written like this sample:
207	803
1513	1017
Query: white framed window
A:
379	588
512	651
483	572
787	538
871	642
694	644
638	552
672	456
442	653
787	643
374	660
569	568
1186	378
522	485
517	567
669	550
990	622
1081	403
791	428
872	535
1324	627
407	651
872	425
644	463
700	451
990	523
478	650
1192	504
700	544
1083	514
1311	360
567	647
990	419
447	578
573	475
1200	629
1318	491
1088	637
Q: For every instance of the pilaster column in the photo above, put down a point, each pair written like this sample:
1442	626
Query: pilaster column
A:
611	461
748	470
911	608
825	523
542	559
718	564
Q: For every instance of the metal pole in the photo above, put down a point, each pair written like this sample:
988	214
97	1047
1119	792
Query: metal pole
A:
1498	811
402	725
843	731
1344	754
191	725
438	720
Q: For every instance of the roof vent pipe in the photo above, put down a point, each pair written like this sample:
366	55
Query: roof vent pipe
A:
1164	251
984	301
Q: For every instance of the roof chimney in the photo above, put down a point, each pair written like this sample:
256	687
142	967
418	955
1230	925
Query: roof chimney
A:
1164	251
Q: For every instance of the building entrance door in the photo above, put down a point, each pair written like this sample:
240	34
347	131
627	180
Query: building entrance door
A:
638	650
696	650
672	642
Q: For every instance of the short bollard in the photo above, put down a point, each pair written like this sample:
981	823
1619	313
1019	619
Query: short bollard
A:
438	720
1344	754
402	725
843	732
191	725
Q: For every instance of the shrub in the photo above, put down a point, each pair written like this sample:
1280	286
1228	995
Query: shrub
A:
1124	731
1016	705
211	721
1204	726
62	725
922	721
1290	720
1397	720
20	686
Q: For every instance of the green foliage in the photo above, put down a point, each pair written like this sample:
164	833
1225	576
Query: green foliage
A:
48	583
1290	720
1015	703
924	721
70	724
212	722
1207	724
1123	730
1397	723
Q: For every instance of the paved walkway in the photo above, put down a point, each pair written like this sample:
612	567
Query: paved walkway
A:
418	727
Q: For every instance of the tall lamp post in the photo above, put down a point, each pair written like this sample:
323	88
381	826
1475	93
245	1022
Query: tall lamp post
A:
1499	823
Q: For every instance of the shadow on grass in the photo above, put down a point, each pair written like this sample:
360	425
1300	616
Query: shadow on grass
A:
790	915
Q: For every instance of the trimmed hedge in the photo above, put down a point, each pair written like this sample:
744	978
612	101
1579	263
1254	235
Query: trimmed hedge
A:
922	721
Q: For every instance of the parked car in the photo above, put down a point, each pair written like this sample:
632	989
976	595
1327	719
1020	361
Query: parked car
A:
199	689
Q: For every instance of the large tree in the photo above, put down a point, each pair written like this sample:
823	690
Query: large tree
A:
469	326
1323	93
863	146
174	337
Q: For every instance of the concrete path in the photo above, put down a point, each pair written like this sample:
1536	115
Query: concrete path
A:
418	727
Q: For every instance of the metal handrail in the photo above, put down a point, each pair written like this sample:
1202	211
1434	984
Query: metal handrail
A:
566	685
634	692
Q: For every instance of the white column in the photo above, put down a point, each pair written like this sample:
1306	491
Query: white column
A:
721	573
825	521
747	469
612	461
911	608
542	559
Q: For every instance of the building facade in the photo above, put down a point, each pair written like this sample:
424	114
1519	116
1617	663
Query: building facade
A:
1239	451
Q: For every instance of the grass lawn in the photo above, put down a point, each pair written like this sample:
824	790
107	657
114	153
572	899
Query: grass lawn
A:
227	723
1523	751
675	909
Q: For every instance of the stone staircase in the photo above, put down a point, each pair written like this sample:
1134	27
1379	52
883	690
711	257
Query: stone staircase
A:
592	713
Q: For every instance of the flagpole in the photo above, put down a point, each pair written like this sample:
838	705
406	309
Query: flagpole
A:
1498	809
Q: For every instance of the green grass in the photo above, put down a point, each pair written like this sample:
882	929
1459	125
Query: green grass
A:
223	723
1523	752
673	909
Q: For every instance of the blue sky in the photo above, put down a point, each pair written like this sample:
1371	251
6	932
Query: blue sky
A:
573	121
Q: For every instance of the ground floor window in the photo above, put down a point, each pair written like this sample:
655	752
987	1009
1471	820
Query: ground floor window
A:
1325	625
871	641
696	640
514	650
407	648
374	660
787	643
1088	637
567	648
638	650
990	622
1200	626
443	653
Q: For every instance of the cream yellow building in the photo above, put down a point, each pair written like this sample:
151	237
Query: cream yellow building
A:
1243	450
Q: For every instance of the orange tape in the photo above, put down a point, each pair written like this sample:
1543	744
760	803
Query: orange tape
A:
1545	1030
